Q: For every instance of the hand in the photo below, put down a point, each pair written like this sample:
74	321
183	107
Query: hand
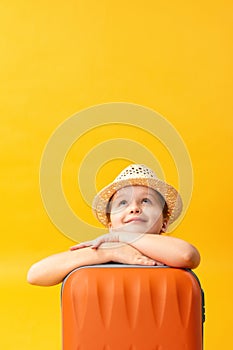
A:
125	254
113	236
95	243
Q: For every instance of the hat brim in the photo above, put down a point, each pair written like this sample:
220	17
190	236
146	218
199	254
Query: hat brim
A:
168	192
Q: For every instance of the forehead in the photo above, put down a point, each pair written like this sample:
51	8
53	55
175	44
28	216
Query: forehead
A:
135	191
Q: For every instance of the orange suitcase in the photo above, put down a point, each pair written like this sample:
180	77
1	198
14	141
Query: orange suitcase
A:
127	307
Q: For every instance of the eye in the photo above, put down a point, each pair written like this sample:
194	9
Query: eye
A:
122	202
146	200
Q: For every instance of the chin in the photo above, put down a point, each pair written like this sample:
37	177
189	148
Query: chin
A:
135	227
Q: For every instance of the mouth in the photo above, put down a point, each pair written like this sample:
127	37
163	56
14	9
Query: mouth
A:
135	219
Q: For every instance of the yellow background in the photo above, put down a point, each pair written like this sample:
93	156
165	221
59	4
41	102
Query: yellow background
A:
58	57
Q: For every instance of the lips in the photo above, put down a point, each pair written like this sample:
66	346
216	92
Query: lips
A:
135	219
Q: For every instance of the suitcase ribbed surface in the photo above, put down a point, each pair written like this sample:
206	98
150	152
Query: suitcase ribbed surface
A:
131	309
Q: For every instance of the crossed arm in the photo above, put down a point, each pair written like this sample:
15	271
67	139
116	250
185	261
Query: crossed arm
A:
126	248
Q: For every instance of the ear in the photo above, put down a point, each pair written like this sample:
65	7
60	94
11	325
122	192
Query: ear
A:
164	226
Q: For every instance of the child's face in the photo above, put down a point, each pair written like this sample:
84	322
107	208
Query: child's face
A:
137	209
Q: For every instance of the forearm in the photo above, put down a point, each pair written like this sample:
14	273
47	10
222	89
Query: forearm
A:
53	269
168	250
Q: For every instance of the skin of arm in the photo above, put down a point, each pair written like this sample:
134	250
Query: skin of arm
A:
167	250
53	269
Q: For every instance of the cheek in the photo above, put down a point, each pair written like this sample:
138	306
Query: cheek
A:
157	218
153	213
115	220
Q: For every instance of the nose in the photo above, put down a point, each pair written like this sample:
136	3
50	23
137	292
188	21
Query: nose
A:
135	208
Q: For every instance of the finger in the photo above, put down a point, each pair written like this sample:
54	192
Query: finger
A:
75	247
97	243
147	261
150	262
80	245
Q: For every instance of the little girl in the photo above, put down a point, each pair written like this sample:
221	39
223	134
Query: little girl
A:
137	208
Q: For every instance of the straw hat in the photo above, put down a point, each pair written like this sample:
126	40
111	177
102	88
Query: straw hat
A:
141	175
